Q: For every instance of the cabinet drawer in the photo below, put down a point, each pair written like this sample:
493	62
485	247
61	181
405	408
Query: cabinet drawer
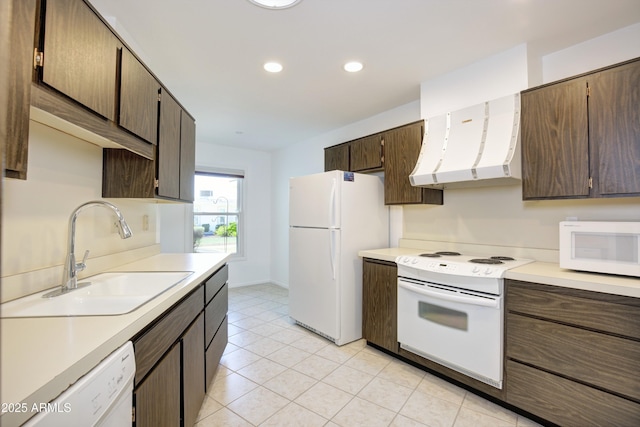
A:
601	360
593	310
565	402
155	341
214	352
215	311
215	282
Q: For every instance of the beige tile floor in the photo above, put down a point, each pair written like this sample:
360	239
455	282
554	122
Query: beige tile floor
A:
275	373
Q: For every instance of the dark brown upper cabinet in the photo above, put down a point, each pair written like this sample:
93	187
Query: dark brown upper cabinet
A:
70	66
581	136
17	57
138	98
80	56
360	155
176	151
187	156
337	158
169	148
614	130
394	151
170	175
366	154
402	148
555	141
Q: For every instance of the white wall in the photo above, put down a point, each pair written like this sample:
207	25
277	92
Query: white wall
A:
497	216
503	74
175	225
617	46
255	266
306	158
64	172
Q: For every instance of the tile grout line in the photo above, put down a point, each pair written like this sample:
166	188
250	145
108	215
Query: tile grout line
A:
254	301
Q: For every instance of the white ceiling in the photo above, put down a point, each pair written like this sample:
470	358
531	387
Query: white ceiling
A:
209	53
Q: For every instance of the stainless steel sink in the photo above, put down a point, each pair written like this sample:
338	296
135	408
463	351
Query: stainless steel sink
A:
108	294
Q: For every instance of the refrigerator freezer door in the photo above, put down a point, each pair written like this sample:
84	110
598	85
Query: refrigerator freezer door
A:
313	277
314	200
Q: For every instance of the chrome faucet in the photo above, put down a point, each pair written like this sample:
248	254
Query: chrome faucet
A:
71	268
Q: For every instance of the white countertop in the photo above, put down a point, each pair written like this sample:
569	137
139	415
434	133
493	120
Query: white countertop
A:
41	357
545	273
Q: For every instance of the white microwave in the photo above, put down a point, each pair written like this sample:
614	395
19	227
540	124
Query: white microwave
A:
601	246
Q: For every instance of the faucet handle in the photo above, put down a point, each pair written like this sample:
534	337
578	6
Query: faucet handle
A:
82	265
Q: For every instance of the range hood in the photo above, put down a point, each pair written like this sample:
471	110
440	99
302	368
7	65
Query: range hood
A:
474	146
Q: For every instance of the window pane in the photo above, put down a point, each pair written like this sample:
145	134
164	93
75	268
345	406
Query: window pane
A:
216	193
217	213
216	234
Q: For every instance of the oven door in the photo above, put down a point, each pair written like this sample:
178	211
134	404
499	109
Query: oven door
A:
456	328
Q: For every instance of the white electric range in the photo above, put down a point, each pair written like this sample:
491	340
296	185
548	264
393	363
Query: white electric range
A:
451	310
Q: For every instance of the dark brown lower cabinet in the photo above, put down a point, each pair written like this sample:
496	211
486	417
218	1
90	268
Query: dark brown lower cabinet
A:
566	402
214	351
157	398
215	320
193	377
380	321
573	356
379	303
174	359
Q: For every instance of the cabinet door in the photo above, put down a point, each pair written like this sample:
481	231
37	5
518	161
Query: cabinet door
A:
379	304
366	153
402	147
187	156
193	371
336	158
168	155
17	60
157	398
80	56
555	141
614	130
138	98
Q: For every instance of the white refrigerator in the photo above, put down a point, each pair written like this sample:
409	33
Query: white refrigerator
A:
332	216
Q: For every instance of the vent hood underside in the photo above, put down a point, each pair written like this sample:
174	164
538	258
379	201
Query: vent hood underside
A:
475	146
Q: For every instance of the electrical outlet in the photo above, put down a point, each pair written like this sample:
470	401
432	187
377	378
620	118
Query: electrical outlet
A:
145	222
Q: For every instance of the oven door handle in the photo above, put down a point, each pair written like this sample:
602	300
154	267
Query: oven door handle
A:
453	297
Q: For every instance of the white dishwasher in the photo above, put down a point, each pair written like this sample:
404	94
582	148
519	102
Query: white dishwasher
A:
103	397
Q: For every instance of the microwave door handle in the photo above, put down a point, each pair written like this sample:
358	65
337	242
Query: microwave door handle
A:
485	302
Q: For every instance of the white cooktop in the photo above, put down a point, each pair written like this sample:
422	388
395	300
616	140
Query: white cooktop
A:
478	273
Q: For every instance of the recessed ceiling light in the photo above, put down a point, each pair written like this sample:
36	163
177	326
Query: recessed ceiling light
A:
353	66
275	4
273	67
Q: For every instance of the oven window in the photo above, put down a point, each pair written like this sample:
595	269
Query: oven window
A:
443	316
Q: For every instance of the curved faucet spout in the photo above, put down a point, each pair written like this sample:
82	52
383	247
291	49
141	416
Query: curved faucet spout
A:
71	268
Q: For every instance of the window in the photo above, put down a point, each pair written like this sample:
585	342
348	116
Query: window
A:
217	213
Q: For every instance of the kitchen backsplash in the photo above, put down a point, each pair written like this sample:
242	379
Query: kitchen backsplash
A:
498	217
64	172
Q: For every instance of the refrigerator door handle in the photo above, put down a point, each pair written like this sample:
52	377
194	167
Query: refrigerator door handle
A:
332	203
332	252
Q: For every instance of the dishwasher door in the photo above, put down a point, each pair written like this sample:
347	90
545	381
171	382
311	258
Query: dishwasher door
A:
103	397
